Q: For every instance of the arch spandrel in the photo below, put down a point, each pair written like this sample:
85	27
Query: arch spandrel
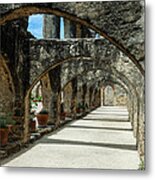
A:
122	23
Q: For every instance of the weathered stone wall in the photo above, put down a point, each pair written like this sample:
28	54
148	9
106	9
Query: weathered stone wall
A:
6	89
121	23
124	65
15	48
47	53
104	17
120	96
51	26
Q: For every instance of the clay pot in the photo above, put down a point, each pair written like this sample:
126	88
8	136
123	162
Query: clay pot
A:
63	115
42	119
4	136
32	126
78	110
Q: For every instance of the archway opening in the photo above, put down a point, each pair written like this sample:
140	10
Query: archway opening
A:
108	96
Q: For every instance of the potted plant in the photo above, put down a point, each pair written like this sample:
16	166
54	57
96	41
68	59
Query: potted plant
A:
4	131
32	123
62	115
10	124
42	118
40	98
62	112
78	109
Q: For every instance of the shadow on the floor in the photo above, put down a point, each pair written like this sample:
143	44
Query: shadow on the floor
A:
100	128
72	142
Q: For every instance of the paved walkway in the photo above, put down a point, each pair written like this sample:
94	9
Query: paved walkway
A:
101	140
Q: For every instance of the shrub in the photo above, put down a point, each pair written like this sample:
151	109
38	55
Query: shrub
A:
3	122
6	120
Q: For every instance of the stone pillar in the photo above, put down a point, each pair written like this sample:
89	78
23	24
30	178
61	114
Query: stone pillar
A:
98	97
102	96
84	91
74	98
51	27
55	81
91	92
78	31
67	98
46	90
69	29
87	100
84	32
87	33
95	97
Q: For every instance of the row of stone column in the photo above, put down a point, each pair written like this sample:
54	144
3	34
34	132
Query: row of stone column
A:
88	98
67	100
52	26
51	29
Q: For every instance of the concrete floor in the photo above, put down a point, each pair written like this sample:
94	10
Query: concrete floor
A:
102	140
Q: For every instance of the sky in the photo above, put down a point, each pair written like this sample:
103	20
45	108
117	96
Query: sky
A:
36	26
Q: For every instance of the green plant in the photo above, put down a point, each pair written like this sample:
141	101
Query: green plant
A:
6	120
39	98
3	122
142	165
17	112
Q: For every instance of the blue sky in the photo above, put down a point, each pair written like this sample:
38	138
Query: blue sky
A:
36	26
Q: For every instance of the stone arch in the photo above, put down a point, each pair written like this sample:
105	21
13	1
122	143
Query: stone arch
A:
115	75
109	81
57	63
84	74
28	9
134	105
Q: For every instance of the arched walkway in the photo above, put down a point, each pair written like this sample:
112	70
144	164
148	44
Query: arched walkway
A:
105	67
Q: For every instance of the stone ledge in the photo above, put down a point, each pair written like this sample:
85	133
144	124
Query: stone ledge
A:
9	149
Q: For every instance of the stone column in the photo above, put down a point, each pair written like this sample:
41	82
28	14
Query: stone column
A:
67	98
55	81
96	97
78	31
102	96
87	99
87	33
74	98
69	29
84	32
46	90
84	91
51	28
91	92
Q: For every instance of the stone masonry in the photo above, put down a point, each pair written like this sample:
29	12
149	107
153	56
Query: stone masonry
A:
100	61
